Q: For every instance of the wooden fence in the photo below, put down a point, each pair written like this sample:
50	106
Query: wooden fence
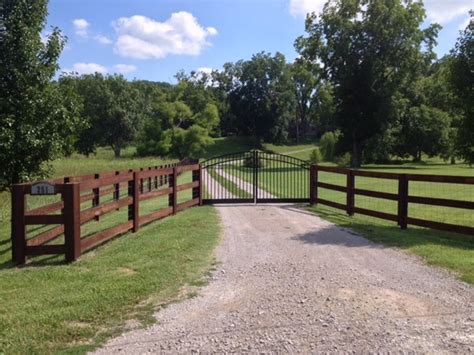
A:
402	197
109	192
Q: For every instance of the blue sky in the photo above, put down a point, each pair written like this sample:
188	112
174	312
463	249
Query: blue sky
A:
154	39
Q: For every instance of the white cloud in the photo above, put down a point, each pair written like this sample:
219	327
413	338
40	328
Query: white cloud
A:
125	68
81	27
87	68
444	11
302	7
464	24
144	38
103	39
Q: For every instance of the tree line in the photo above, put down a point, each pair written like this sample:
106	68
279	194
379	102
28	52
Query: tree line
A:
366	82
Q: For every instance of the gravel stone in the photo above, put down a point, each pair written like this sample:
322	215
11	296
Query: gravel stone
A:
290	282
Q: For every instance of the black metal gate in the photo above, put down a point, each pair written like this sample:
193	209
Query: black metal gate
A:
255	177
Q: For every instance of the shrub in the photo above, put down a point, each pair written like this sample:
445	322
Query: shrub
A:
252	162
328	145
344	161
316	156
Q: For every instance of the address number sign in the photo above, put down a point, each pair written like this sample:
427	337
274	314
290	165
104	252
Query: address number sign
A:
43	188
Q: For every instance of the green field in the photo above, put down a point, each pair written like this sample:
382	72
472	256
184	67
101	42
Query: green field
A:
49	306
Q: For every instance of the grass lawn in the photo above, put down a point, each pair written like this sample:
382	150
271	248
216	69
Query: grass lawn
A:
50	306
229	145
301	151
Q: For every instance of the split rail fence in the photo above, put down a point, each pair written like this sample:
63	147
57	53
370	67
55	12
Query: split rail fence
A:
405	200
87	198
145	195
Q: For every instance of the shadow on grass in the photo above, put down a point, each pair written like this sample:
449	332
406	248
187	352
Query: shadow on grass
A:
35	262
392	235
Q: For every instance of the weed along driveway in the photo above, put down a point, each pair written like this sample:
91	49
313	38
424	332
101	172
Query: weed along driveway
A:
289	281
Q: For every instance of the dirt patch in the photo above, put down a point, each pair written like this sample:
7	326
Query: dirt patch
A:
289	281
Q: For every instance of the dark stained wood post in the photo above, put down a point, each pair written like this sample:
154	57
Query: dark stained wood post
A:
173	182
156	178
313	184
96	195
142	185
18	231
117	188
72	220
136	200
350	193
161	177
197	190
403	201
201	185
149	179
131	193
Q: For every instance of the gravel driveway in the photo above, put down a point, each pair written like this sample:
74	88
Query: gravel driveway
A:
289	281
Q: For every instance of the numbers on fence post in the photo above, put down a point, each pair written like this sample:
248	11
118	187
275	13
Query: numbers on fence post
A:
43	188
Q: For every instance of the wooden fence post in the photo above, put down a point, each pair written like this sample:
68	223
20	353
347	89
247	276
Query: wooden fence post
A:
173	182
197	190
137	188
72	220
117	188
96	194
155	179
350	193
403	201
313	185
18	228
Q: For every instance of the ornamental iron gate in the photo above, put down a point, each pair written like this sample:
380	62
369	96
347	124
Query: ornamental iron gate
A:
255	177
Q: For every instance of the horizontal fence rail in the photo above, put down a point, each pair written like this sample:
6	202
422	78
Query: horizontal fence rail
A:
85	211
403	198
60	225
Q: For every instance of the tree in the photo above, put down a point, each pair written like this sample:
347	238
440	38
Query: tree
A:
462	80
260	96
305	84
368	48
328	144
423	130
112	111
34	119
174	130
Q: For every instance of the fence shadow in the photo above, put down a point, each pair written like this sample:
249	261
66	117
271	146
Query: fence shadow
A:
353	233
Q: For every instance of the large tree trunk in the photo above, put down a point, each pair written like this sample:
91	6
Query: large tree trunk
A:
297	132
117	150
356	158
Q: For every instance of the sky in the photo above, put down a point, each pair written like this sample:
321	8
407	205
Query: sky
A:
154	39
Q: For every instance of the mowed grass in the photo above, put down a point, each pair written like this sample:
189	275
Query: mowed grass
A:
300	151
50	306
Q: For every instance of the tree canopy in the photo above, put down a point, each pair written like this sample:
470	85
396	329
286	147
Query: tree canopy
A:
368	49
36	118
